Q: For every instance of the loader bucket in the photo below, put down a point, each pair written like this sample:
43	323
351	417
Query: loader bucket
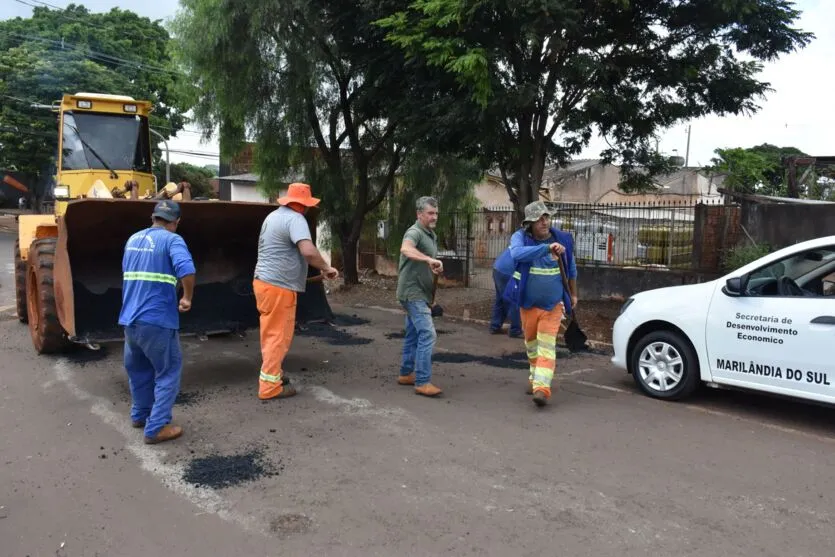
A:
222	238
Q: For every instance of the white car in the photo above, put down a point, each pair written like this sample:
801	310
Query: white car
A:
768	326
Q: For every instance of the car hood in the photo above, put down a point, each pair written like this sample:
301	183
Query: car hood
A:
685	294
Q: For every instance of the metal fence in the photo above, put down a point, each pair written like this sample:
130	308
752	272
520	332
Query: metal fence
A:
657	235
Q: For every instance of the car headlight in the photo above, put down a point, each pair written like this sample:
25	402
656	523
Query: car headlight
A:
61	192
625	305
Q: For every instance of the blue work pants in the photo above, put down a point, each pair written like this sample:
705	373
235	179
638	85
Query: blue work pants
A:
418	342
154	363
502	309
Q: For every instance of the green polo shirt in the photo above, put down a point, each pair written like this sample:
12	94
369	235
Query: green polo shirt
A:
414	278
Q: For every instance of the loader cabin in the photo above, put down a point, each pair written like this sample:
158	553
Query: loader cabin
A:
102	137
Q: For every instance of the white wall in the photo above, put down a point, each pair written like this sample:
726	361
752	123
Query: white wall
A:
246	192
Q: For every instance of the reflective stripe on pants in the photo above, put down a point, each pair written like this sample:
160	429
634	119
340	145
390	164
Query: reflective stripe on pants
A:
541	329
277	307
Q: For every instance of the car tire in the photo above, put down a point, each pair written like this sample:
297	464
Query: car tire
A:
664	365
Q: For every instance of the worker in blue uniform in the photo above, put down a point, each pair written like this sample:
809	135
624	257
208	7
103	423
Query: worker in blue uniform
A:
155	259
503	269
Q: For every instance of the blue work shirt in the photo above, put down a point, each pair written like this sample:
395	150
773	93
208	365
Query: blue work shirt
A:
153	261
543	287
504	263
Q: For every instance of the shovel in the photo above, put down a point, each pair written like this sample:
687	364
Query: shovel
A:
437	310
575	338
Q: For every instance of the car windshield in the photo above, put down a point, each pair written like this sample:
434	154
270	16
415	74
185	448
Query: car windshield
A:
99	141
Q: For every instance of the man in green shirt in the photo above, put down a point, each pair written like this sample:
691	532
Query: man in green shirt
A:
418	263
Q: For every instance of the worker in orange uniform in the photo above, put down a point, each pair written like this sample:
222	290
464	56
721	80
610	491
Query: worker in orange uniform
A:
285	249
537	288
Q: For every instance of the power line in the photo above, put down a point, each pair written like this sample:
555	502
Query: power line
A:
62	13
95	55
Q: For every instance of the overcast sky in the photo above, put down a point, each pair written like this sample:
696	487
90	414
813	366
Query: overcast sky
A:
798	113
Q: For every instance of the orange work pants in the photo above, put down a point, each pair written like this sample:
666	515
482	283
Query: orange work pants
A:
277	307
541	329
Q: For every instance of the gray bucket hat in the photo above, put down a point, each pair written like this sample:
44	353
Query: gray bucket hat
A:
535	210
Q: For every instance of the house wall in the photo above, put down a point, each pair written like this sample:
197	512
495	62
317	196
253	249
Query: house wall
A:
490	193
600	184
586	186
780	225
246	192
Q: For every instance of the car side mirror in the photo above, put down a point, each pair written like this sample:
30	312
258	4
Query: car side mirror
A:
734	286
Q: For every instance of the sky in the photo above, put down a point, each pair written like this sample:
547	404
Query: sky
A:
798	112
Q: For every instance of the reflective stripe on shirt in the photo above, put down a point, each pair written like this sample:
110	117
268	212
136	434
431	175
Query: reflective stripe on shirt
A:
151	277
545	270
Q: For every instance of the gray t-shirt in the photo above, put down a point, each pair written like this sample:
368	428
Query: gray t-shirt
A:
280	262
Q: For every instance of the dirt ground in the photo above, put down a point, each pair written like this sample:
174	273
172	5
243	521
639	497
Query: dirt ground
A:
595	317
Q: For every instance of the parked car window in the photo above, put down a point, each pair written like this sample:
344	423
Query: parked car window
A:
809	273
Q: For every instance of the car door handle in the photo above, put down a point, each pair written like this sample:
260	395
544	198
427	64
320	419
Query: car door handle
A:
824	320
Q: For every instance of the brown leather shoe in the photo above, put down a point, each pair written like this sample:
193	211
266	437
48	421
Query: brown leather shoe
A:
540	398
428	390
167	433
406	379
287	390
138	425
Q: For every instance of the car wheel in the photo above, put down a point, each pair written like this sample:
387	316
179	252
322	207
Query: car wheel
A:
665	366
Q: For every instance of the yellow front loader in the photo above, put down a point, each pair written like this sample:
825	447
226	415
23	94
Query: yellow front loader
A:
68	265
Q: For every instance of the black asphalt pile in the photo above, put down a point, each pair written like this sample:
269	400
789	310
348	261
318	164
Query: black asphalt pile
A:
402	334
80	355
464	358
332	335
349	320
511	360
218	472
189	398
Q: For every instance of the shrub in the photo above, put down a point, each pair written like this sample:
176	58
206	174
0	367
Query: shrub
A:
742	255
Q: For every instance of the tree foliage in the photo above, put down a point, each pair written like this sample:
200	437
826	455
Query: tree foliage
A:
758	169
200	177
548	74
314	84
68	51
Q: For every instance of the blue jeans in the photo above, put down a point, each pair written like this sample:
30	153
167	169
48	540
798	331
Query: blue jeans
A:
154	364
502	309
419	342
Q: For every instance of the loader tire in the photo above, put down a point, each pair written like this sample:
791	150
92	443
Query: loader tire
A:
47	334
20	284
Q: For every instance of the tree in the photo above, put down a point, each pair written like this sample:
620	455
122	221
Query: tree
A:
549	73
745	171
758	169
314	84
199	177
66	51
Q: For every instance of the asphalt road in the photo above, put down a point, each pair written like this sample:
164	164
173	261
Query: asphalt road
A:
357	465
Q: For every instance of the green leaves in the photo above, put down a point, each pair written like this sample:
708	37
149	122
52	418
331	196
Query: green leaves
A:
547	74
67	51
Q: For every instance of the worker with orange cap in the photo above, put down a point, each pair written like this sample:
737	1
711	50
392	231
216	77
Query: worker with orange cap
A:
285	249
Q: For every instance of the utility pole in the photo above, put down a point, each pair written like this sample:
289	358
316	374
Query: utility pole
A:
687	152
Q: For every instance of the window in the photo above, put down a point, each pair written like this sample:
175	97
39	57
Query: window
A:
99	141
809	273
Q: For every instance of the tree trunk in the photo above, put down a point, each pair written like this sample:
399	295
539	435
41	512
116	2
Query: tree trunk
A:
349	259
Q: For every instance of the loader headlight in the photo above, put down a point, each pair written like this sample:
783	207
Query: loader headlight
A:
130	108
61	192
84	104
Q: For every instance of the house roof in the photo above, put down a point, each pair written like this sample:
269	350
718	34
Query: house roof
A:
555	172
248	177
